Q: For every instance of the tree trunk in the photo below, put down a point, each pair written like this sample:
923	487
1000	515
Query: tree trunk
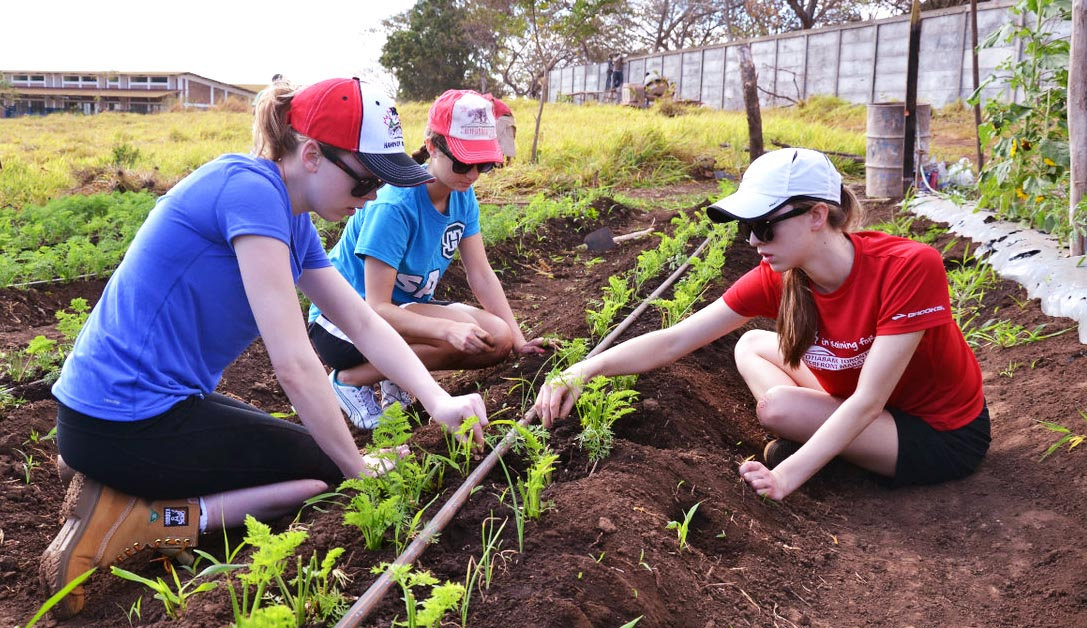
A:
1077	121
544	80
751	101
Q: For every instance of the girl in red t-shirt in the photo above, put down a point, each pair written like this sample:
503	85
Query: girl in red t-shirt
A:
867	362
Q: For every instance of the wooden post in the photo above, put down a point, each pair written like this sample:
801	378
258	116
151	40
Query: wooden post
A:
912	63
751	101
1077	124
977	79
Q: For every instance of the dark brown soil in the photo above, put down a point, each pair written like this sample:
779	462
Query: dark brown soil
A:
1004	547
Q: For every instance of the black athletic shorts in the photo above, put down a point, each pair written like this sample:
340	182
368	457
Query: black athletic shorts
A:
199	447
336	352
929	456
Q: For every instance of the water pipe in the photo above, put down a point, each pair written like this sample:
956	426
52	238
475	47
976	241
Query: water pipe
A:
368	600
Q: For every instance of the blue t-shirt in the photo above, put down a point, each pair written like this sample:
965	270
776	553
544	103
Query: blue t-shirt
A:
174	315
403	229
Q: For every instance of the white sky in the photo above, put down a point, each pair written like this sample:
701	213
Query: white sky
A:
234	41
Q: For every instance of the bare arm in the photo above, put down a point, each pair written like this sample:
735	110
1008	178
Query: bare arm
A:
886	361
386	349
269	287
486	287
380	279
638	355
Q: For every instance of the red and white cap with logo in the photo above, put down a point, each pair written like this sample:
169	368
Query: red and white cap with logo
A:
356	116
466	119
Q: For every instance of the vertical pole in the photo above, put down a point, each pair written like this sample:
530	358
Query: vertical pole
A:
838	62
751	101
1077	121
875	62
911	93
976	77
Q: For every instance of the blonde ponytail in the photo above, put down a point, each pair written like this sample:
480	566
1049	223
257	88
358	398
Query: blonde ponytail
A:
272	136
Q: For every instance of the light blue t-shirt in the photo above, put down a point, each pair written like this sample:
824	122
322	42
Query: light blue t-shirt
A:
403	229
174	315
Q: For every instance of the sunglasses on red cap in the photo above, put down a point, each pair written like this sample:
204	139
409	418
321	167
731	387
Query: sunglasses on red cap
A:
363	185
459	166
764	229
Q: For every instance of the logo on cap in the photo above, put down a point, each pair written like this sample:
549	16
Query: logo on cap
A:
392	123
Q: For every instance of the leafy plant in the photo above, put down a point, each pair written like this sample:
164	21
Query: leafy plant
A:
1068	437
28	464
481	571
599	407
539	477
682	528
371	510
1026	176
429	613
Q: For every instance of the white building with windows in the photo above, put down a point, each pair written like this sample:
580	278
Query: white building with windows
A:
24	92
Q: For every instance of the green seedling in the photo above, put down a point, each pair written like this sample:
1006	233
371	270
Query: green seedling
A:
134	610
174	598
371	510
634	622
58	596
682	528
480	572
539	477
641	561
459	445
1068	437
428	614
28	464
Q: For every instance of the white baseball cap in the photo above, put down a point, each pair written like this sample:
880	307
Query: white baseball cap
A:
775	178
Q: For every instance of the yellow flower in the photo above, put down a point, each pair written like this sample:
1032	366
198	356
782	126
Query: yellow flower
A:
1021	194
1049	162
1014	146
1039	198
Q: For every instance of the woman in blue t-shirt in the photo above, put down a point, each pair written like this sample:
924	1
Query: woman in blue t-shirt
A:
160	455
396	251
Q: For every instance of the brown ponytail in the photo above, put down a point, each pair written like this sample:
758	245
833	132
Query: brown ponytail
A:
272	136
797	318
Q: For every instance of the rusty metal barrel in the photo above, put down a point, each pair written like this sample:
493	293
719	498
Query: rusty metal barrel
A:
885	146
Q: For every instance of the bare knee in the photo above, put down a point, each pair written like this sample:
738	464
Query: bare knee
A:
772	410
755	342
502	339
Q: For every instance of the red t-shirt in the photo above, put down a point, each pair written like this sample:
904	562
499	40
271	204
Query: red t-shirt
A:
896	286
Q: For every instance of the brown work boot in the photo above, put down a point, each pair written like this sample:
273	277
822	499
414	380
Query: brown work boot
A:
104	526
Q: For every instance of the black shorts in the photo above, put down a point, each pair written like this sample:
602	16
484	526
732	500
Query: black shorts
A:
336	352
199	447
929	456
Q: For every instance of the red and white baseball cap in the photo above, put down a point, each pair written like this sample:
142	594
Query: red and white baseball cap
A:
466	119
774	178
356	116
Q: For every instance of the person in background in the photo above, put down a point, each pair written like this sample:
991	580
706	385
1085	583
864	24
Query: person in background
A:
395	253
505	128
160	456
867	362
616	63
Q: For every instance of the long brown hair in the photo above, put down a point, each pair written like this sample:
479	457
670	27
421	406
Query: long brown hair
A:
797	318
273	138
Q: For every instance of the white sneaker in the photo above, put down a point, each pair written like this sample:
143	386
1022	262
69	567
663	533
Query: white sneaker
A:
358	402
391	393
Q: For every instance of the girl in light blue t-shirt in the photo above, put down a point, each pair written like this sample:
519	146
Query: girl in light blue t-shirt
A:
396	251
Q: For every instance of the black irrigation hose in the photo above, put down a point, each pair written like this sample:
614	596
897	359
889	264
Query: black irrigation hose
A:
366	602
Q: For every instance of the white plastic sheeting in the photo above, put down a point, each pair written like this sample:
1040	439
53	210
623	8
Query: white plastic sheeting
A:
1037	261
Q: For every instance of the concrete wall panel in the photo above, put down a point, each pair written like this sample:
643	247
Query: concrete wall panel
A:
713	78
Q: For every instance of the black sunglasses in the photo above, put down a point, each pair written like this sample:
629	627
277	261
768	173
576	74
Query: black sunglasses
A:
363	185
764	229
459	166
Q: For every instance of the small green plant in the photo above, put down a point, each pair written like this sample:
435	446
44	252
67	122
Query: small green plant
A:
459	445
480	572
539	477
599	407
371	509
174	598
1068	437
135	610
428	614
29	464
682	528
58	596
